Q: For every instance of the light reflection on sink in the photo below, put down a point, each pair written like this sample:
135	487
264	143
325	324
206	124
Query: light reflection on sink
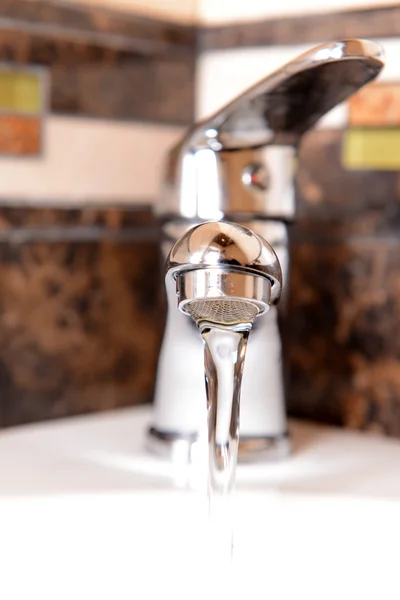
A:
85	513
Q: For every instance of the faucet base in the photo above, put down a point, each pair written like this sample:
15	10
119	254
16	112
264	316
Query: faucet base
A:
183	448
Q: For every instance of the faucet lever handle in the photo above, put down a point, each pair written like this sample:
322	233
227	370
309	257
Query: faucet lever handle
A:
282	106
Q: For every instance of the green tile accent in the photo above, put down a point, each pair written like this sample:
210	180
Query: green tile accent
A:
20	92
376	149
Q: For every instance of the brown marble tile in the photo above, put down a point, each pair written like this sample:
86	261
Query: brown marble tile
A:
343	323
325	189
102	63
106	82
20	136
115	218
342	334
80	327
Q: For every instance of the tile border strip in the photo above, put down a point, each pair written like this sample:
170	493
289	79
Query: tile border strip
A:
313	28
97	25
159	56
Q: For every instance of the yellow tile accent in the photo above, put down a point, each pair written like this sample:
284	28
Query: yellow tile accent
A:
377	149
20	92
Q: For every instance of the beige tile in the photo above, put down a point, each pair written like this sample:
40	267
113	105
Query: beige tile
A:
93	160
174	10
225	11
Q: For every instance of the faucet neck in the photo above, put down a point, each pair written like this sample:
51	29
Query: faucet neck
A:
240	185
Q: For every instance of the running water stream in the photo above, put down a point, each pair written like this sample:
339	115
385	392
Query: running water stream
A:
225	338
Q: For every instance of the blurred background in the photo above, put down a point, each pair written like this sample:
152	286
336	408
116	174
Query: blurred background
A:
92	96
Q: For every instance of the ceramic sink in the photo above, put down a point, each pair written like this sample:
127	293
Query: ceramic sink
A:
86	512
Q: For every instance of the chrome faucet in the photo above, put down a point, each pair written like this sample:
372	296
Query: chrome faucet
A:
238	165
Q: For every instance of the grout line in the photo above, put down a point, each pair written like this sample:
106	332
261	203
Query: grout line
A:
22	235
85	204
110	40
347	240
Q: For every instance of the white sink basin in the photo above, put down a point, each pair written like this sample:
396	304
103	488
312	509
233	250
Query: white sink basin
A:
85	513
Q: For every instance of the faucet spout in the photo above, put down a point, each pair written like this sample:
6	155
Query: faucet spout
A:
218	265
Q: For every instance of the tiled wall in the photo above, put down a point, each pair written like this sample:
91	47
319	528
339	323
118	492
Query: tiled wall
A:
79	311
80	320
80	316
